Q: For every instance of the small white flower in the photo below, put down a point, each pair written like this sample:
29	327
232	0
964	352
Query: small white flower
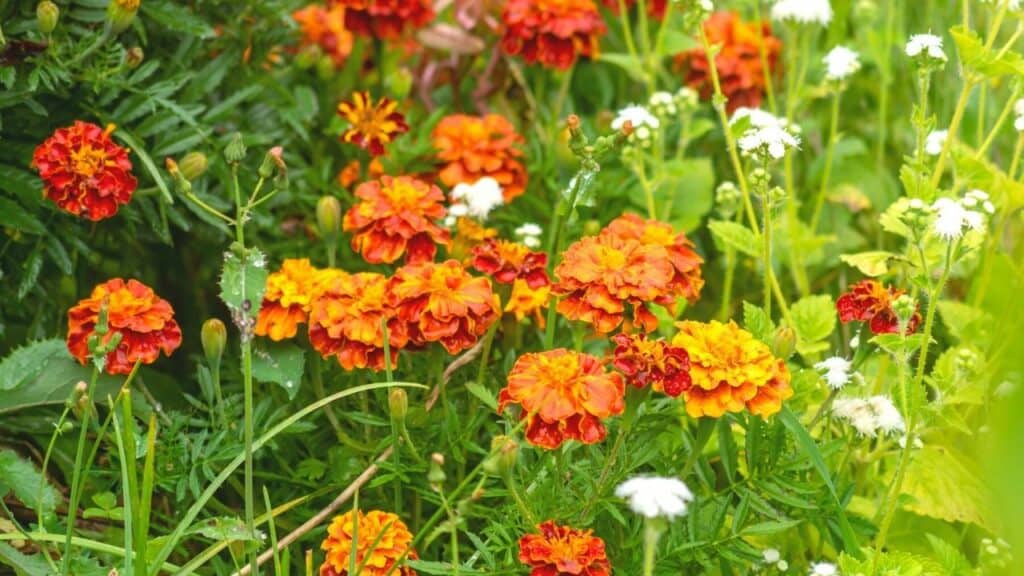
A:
686	98
636	115
458	210
954	217
758	118
771	555
887	418
841	63
837	371
803	11
928	44
654	497
824	569
869	416
480	198
663	104
1005	389
934	142
528	229
782	565
772	140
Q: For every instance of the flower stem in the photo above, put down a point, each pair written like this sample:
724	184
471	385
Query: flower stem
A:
76	483
833	138
250	522
651	535
954	126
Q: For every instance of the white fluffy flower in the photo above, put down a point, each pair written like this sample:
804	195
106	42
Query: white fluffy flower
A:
655	497
837	371
638	116
929	44
771	140
758	118
824	569
870	416
479	198
803	11
954	217
529	234
887	418
934	142
771	555
663	104
841	63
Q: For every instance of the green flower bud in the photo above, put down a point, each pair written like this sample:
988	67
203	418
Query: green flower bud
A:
214	336
398	405
784	342
47	15
399	83
181	184
503	456
234	152
273	162
134	56
328	217
436	475
193	165
121	14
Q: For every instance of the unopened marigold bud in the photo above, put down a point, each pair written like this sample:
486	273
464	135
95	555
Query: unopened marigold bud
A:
784	342
400	83
503	456
436	476
121	14
134	56
398	405
234	152
328	217
214	336
273	163
193	165
181	184
47	15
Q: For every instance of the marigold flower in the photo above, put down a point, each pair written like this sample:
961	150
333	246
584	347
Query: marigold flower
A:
397	216
600	275
871	302
346	319
84	171
507	262
325	27
564	395
286	300
385	18
381	540
525	301
552	32
643	362
474	147
144	320
559	550
443	303
730	371
740	67
688	281
468	234
371	125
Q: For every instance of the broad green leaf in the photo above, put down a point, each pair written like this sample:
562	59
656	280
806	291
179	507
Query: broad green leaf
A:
281	363
630	65
896	344
23	563
758	323
874	263
15	217
26	363
729	234
958	317
21	477
21	183
54	384
989	61
224	528
951	560
243	281
688	186
890	564
814	319
942	484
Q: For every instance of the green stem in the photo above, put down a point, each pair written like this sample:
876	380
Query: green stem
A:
829	156
250	522
886	76
239	209
651	535
1003	116
730	274
954	126
76	476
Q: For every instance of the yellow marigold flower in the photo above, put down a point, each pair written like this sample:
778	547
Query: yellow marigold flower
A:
525	301
287	299
381	541
730	370
371	125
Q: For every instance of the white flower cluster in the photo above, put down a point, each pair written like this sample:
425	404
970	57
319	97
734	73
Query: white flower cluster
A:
824	569
475	200
772	557
654	497
663	104
869	416
954	217
803	11
928	46
687	98
841	63
767	133
934	142
836	371
529	234
644	123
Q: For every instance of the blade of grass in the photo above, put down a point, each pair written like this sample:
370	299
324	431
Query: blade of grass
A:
146	495
79	542
273	532
126	483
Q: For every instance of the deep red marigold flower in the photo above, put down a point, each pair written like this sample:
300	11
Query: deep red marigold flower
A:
871	302
397	216
443	303
286	299
381	540
740	66
385	18
346	320
564	395
371	125
84	171
144	320
600	275
687	281
643	362
655	8
475	147
507	262
525	301
552	32
560	550
325	28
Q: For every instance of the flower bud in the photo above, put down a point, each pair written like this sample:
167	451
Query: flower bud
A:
503	456
398	405
784	342
234	152
436	476
727	200
273	162
181	184
904	307
325	67
134	56
193	165
328	217
121	14
47	15
399	83
214	336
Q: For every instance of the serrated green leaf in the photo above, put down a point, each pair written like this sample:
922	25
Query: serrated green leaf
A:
942	484
225	529
874	263
757	322
23	563
281	363
814	319
28	362
729	234
21	477
54	384
482	393
243	281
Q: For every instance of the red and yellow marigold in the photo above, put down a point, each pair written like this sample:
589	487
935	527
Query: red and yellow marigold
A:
552	32
372	126
84	171
144	320
507	262
382	540
287	298
657	363
525	301
870	301
397	216
561	550
346	321
688	280
730	371
564	395
325	28
441	302
475	147
387	19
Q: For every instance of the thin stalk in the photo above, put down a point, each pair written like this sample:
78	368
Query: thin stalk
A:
645	39
627	30
250	521
833	138
766	235
886	74
454	533
1003	116
954	126
76	476
45	483
651	535
730	274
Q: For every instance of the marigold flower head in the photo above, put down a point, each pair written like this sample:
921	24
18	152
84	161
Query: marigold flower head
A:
507	262
525	301
564	395
600	275
371	125
144	320
469	234
397	216
325	28
84	171
559	550
387	19
740	67
687	281
474	147
286	299
552	32
657	363
381	541
871	302
441	302
730	370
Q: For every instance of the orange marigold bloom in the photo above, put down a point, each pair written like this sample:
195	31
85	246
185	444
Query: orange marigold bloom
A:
507	262
655	8
385	18
664	367
468	235
740	67
730	370
600	275
325	27
144	320
287	298
688	280
345	322
84	171
475	147
559	550
349	175
552	32
564	395
371	125
525	301
443	303
397	216
870	301
381	541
